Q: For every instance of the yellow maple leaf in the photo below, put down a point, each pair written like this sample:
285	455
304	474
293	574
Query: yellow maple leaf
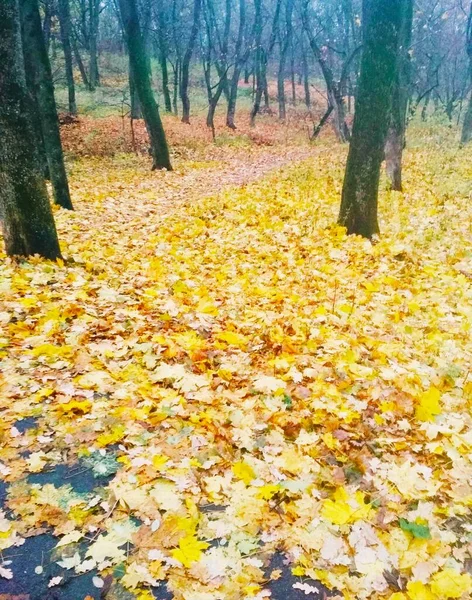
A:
159	460
244	472
233	339
419	591
344	508
116	434
449	583
189	550
76	407
267	491
429	405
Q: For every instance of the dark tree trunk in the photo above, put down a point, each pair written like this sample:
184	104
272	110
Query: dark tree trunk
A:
135	110
161	31
396	133
322	123
240	60
47	22
466	136
175	98
262	56
64	21
381	28
186	62
80	64
28	223
37	60
142	81
292	77
32	98
259	58
94	11
306	81
333	88
285	47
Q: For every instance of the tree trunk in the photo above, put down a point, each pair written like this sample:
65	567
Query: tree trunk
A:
396	133
175	107
186	62
64	21
142	81
381	28
80	64
28	223
161	25
47	22
135	110
333	89
466	136
94	76
306	80
33	110
240	60
37	58
262	56
287	39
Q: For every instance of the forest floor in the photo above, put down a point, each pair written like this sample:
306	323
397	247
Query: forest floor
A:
217	395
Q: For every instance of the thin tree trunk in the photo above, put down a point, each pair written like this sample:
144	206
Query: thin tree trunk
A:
241	59
292	77
333	89
135	110
306	79
37	58
64	21
323	121
396	133
287	39
28	223
262	57
197	5
466	136
175	107
47	22
142	81
80	64
381	28
94	10
163	58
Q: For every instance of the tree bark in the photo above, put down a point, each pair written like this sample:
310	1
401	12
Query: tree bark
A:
142	81
333	88
47	22
28	223
94	76
240	60
64	22
381	29
80	63
197	5
396	133
287	39
466	136
161	32
135	110
37	58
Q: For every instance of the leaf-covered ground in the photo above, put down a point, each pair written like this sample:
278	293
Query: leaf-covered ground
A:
217	387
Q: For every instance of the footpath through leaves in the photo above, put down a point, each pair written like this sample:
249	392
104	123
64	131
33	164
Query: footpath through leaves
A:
232	376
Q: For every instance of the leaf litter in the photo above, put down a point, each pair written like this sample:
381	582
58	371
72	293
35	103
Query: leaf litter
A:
249	381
